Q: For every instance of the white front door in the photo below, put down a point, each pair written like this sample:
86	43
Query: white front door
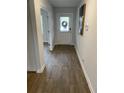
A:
65	30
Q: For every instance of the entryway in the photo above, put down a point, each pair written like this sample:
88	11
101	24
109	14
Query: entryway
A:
64	33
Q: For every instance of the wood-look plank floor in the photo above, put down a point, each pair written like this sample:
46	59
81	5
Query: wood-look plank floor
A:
63	73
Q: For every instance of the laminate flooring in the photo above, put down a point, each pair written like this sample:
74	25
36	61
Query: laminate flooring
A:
62	74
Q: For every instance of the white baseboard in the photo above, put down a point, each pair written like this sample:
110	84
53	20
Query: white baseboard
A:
85	73
51	48
31	68
59	43
41	69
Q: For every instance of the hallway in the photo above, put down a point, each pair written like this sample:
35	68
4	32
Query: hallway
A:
63	73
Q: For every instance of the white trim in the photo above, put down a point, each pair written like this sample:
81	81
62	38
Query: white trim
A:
58	43
85	73
41	69
31	68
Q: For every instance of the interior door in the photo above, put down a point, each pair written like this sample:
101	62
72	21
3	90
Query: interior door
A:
64	28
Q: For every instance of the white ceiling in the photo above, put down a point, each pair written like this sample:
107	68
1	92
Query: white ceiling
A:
64	3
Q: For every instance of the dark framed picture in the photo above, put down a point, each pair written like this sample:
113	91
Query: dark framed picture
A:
82	18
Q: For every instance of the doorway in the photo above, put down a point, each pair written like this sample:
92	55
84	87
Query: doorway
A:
45	26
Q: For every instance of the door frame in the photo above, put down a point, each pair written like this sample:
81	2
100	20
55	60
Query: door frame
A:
38	35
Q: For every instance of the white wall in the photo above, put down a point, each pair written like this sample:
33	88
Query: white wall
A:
87	44
35	37
65	10
31	66
48	7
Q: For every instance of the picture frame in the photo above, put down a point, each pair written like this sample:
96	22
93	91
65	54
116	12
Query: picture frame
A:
82	11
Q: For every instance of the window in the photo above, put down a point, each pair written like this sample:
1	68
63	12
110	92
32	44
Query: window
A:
64	24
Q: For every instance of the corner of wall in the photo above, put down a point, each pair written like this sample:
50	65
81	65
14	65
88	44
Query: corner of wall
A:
41	69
